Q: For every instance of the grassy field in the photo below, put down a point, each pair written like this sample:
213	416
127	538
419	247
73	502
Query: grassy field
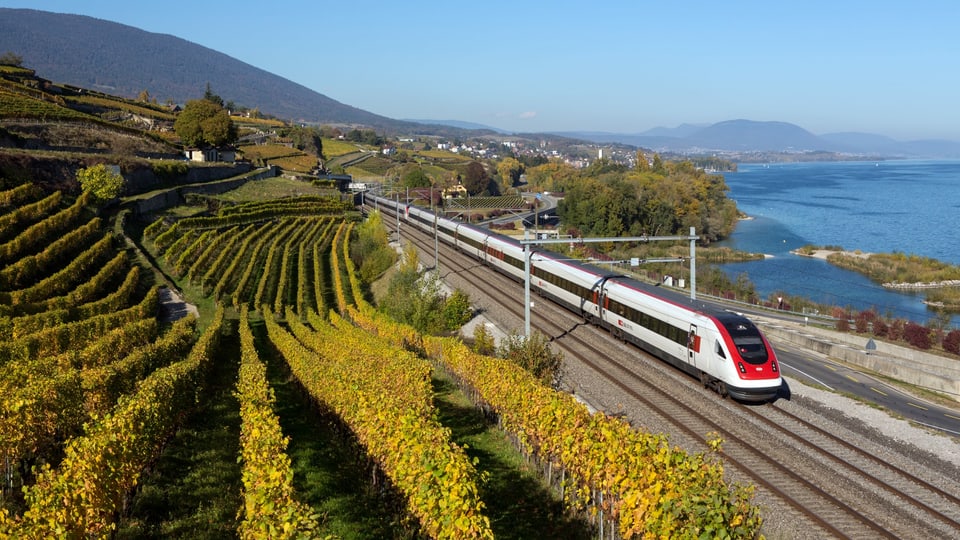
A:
443	156
18	106
334	147
285	157
244	121
303	163
273	188
141	109
268	151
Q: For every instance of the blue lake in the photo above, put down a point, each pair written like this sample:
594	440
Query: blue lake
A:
909	206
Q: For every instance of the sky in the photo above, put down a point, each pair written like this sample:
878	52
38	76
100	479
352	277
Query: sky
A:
885	67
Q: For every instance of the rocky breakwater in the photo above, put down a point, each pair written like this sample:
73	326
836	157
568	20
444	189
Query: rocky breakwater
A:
923	285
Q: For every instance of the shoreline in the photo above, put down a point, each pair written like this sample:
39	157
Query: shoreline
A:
824	253
918	286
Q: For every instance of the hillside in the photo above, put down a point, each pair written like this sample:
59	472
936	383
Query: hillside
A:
123	60
48	132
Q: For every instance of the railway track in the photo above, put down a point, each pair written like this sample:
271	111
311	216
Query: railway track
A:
811	476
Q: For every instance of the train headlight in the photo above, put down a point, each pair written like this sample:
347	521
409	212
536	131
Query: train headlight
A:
773	366
742	369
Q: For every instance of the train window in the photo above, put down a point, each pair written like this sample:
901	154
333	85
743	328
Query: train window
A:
719	349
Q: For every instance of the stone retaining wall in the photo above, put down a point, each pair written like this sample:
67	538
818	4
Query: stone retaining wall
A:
175	196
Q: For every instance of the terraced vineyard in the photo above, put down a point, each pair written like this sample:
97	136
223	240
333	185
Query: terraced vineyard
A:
90	385
94	384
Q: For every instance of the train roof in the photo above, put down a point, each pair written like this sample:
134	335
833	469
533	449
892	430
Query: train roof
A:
722	314
579	265
680	299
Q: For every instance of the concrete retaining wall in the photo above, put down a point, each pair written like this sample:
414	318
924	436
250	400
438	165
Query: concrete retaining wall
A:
911	366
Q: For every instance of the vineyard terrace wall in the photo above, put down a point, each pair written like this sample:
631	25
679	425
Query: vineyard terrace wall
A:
175	196
60	173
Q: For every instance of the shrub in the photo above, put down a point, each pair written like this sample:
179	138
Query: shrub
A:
168	169
457	310
370	249
917	335
863	320
483	341
534	355
895	332
101	182
880	327
951	342
843	324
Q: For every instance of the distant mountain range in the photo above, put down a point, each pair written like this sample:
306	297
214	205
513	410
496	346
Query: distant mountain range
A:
473	126
123	60
752	136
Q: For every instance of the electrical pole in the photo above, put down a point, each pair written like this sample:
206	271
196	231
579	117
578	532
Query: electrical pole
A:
436	235
526	286
693	263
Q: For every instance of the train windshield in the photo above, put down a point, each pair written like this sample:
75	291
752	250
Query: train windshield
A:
751	349
747	339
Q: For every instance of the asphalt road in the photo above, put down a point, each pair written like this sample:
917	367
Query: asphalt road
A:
817	370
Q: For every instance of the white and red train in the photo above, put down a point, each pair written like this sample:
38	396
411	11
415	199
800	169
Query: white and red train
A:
725	350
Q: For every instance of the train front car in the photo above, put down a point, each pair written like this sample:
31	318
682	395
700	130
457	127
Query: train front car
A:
748	369
725	350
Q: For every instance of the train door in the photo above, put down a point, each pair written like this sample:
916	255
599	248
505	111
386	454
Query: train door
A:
693	346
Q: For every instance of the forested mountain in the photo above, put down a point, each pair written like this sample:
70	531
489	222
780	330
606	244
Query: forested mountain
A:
123	60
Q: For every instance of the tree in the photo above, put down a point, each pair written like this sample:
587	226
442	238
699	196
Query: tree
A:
414	177
476	179
203	122
211	97
642	164
307	139
509	170
144	96
101	182
657	164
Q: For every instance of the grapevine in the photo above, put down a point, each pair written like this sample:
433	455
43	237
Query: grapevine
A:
270	508
413	449
83	497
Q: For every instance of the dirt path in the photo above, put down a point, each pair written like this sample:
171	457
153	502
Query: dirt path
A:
173	307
